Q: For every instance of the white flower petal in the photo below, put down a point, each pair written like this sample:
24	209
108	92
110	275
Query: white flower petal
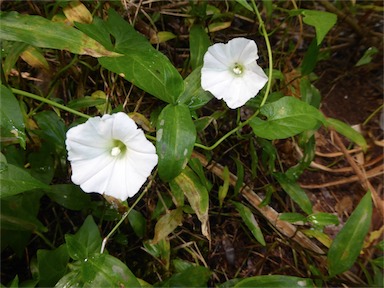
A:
217	56
216	82
242	50
240	80
95	166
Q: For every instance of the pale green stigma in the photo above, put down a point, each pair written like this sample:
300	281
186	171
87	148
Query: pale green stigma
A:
237	69
118	147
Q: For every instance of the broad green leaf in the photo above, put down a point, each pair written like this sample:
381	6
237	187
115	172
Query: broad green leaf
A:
293	218
319	235
10	53
85	102
294	191
18	216
309	93
52	130
181	265
198	44
321	20
193	95
138	222
347	131
349	241
275	281
161	249
75	11
310	59
323	219
69	196
245	4
250	220
141	64
19	213
198	168
11	119
35	58
99	270
14	283
42	164
52	265
167	224
285	118
85	242
175	139
197	195
41	32
15	180
195	276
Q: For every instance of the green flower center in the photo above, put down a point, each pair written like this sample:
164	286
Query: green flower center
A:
118	148
237	69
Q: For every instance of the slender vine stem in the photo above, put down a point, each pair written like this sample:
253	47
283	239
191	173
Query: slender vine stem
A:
267	90
50	102
125	215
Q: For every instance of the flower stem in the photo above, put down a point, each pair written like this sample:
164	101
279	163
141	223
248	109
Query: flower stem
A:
125	215
268	88
50	102
270	59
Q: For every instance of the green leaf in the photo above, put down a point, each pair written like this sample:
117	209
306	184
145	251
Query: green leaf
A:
245	4
250	220
138	222
85	102
141	64
293	218
223	190
99	270
285	118
52	130
161	249
347	131
309	93
198	44
323	219
275	281
15	180
195	276
69	196
367	57
321	20
19	213
294	191
175	139
310	59
193	95
52	265
349	241
11	119
41	32
42	164
85	242
167	224
197	195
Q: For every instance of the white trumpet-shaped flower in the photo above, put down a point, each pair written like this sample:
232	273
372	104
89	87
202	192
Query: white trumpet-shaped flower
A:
110	155
230	72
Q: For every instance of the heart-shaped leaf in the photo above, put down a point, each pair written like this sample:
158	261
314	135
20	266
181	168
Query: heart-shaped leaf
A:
286	117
